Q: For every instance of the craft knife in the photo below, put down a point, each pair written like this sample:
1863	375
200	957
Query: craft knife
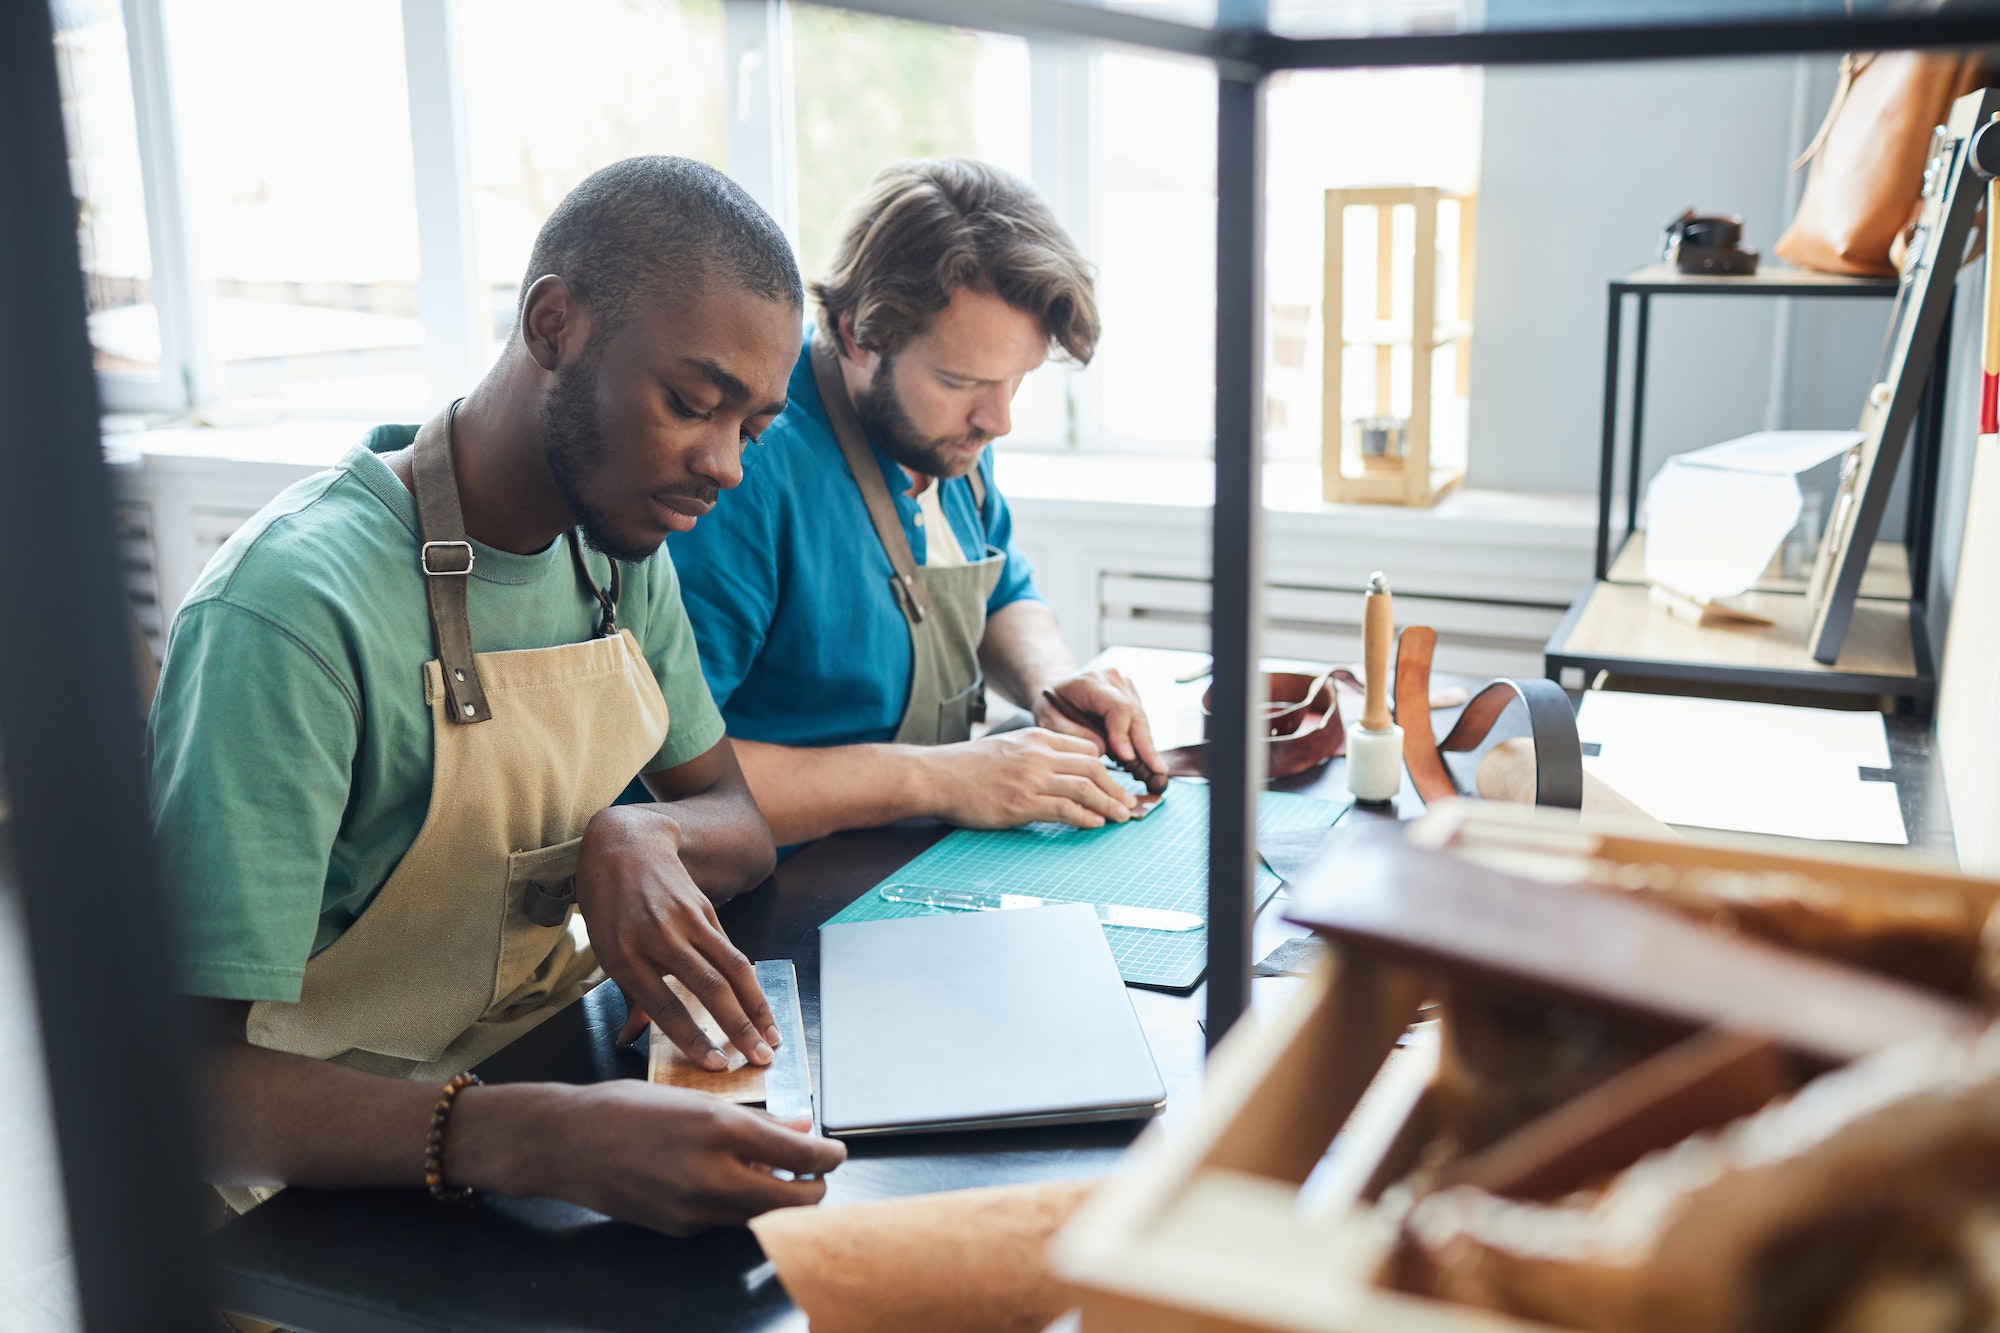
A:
971	900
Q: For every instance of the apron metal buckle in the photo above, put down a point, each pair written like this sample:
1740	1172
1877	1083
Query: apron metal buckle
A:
434	572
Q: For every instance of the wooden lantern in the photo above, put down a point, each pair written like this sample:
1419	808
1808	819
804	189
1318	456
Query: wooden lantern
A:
1382	456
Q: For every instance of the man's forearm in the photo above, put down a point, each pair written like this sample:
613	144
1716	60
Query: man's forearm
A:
722	839
1022	651
724	853
808	792
285	1119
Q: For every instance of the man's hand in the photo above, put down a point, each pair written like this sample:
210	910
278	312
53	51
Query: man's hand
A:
1019	777
666	1158
1107	695
647	920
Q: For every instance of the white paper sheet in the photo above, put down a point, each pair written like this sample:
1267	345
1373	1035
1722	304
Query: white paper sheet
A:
1715	516
1744	767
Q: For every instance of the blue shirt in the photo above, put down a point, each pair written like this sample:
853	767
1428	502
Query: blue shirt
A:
801	637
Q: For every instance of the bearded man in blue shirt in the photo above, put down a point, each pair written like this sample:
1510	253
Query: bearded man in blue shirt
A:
857	594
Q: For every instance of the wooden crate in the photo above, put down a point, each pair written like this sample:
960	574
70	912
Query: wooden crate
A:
1207	1229
1204	1232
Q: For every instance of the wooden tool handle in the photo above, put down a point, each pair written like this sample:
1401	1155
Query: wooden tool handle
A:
1378	635
1989	381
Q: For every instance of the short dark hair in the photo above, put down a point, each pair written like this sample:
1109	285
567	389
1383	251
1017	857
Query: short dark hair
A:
645	221
922	230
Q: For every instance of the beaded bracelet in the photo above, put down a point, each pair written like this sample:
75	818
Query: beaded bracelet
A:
434	1141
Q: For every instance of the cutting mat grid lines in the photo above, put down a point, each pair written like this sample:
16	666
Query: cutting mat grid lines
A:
1160	861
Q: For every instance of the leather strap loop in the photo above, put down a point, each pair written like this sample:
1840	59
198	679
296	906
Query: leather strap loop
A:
445	559
1551	721
607	596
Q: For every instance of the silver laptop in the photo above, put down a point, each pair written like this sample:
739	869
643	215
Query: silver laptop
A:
974	1020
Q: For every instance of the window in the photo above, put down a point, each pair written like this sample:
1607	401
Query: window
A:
610	79
1334	129
1153	227
278	189
105	178
294	130
868	91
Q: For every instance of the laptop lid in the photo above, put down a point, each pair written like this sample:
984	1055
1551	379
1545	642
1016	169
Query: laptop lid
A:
968	1020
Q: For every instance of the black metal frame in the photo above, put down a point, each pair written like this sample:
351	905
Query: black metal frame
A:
69	728
80	829
1244	54
1646	290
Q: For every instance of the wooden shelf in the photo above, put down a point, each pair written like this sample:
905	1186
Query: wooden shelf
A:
1617	627
1887	575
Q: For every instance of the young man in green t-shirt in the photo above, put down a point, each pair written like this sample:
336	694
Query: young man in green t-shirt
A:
397	707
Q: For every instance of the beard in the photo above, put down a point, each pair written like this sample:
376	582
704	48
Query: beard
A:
888	423
579	458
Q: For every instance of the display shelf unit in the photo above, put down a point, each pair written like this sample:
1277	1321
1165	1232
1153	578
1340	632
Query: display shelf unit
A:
65	719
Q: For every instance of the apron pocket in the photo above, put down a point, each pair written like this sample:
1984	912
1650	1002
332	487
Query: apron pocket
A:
528	950
957	714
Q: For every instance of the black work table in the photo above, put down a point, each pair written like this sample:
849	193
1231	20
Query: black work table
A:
394	1260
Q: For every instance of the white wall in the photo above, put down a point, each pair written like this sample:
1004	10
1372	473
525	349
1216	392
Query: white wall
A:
1579	169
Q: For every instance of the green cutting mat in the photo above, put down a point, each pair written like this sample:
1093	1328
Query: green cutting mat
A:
1158	861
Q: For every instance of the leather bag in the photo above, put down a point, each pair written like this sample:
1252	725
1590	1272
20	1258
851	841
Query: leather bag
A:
1301	724
1865	186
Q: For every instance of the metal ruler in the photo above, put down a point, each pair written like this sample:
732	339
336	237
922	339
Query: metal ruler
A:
788	1090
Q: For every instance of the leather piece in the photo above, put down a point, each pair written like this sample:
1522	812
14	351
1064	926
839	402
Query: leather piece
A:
1552	722
446	568
1301	721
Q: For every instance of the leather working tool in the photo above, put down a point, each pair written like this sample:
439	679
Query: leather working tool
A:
1301	722
1375	747
1155	782
1551	720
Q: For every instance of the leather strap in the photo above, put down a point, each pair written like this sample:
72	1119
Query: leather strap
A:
868	476
1551	721
446	561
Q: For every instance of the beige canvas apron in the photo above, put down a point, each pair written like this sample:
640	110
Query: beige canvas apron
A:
943	605
444	967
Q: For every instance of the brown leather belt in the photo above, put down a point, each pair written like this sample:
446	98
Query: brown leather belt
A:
1301	723
1551	721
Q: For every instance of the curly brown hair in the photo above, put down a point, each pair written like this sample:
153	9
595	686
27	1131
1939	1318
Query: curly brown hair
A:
922	230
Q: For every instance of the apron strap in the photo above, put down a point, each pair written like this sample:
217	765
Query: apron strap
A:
446	560
868	476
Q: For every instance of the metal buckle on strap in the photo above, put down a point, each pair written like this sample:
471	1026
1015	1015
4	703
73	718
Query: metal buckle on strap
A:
447	573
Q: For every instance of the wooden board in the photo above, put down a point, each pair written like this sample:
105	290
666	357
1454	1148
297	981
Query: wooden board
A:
1968	720
1619	620
1438	913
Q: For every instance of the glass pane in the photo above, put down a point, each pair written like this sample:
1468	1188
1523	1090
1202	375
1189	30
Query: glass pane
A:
612	79
1153	230
294	123
868	91
96	79
1342	130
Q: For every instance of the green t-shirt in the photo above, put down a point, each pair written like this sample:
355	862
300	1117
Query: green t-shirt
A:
290	742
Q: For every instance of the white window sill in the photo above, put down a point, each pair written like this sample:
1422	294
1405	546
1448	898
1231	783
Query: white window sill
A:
1077	487
1082	485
